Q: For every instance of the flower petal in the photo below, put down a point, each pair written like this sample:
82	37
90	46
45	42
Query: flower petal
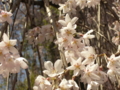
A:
48	65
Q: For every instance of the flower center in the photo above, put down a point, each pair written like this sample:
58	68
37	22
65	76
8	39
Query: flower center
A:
77	65
4	15
68	32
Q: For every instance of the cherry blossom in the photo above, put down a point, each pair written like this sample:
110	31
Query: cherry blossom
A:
6	16
41	83
68	20
77	66
113	62
89	55
90	73
64	85
53	71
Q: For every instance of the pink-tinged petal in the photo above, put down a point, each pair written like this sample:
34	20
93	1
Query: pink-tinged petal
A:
9	13
48	65
5	38
13	42
14	51
9	20
3	19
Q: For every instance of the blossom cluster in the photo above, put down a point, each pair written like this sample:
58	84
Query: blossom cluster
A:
10	60
39	35
81	59
70	5
79	54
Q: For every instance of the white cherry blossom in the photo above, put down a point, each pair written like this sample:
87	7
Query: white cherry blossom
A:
6	16
113	62
90	73
77	66
41	83
89	55
68	31
88	36
65	85
67	20
55	70
9	45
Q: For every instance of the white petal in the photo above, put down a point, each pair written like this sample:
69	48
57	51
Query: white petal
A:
47	72
5	38
48	65
94	67
90	31
35	88
71	67
13	42
86	61
75	86
67	18
94	76
58	65
62	22
73	21
89	87
76	72
69	25
14	51
90	36
22	62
